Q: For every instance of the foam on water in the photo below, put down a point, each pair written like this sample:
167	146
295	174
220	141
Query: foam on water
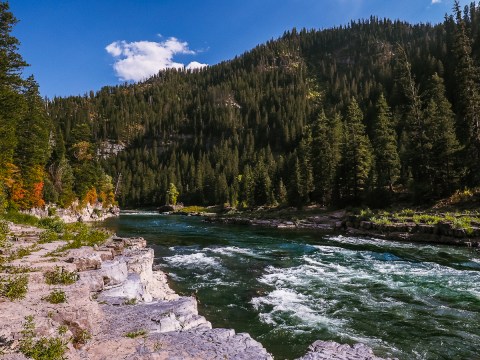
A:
312	294
287	306
232	251
193	260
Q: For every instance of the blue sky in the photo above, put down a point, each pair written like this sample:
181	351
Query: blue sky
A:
75	46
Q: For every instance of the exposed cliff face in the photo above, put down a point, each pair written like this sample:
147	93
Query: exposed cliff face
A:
119	307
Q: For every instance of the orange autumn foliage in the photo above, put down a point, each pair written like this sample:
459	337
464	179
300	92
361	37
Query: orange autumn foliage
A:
90	197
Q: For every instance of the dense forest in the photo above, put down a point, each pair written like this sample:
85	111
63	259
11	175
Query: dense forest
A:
360	114
36	166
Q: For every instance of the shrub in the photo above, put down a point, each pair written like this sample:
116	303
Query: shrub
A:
81	337
426	219
56	297
135	334
381	220
53	348
131	301
3	233
14	287
60	276
48	236
54	224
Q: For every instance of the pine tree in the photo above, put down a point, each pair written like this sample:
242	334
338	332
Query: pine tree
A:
327	138
445	145
468	108
387	160
172	195
32	151
418	147
12	104
357	157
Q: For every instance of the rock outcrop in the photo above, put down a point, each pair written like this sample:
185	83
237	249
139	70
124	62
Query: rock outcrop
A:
74	213
329	350
127	310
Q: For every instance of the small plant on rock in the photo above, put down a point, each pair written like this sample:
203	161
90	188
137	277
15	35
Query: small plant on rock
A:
60	276
131	301
3	233
54	224
23	251
81	337
14	287
53	348
56	297
48	236
135	334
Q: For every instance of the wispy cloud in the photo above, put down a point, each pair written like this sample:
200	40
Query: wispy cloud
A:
141	59
436	1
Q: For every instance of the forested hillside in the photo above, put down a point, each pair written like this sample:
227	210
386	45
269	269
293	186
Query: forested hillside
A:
35	165
364	113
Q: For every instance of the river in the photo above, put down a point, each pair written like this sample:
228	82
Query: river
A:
288	288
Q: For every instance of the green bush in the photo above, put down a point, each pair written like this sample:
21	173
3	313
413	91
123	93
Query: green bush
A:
135	334
14	287
56	297
60	276
3	233
48	236
54	224
53	348
81	337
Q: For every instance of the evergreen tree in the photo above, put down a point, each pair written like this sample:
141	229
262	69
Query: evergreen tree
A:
357	157
418	149
302	181
387	160
445	145
32	151
172	195
327	138
12	104
468	107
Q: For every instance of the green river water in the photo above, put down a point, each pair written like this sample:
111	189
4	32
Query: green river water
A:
288	288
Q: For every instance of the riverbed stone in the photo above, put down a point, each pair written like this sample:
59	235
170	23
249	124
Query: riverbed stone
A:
330	350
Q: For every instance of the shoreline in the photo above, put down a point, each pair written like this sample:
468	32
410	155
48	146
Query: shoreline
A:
118	306
338	222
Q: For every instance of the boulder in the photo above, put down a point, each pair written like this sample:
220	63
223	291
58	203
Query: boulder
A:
327	350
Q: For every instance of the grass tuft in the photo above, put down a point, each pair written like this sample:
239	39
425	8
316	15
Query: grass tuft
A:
135	334
60	276
53	348
56	297
14	287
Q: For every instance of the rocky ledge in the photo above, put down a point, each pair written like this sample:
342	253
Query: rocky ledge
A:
116	306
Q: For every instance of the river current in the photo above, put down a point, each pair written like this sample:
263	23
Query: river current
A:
288	288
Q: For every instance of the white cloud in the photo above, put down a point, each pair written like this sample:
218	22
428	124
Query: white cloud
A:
436	1
195	65
141	59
